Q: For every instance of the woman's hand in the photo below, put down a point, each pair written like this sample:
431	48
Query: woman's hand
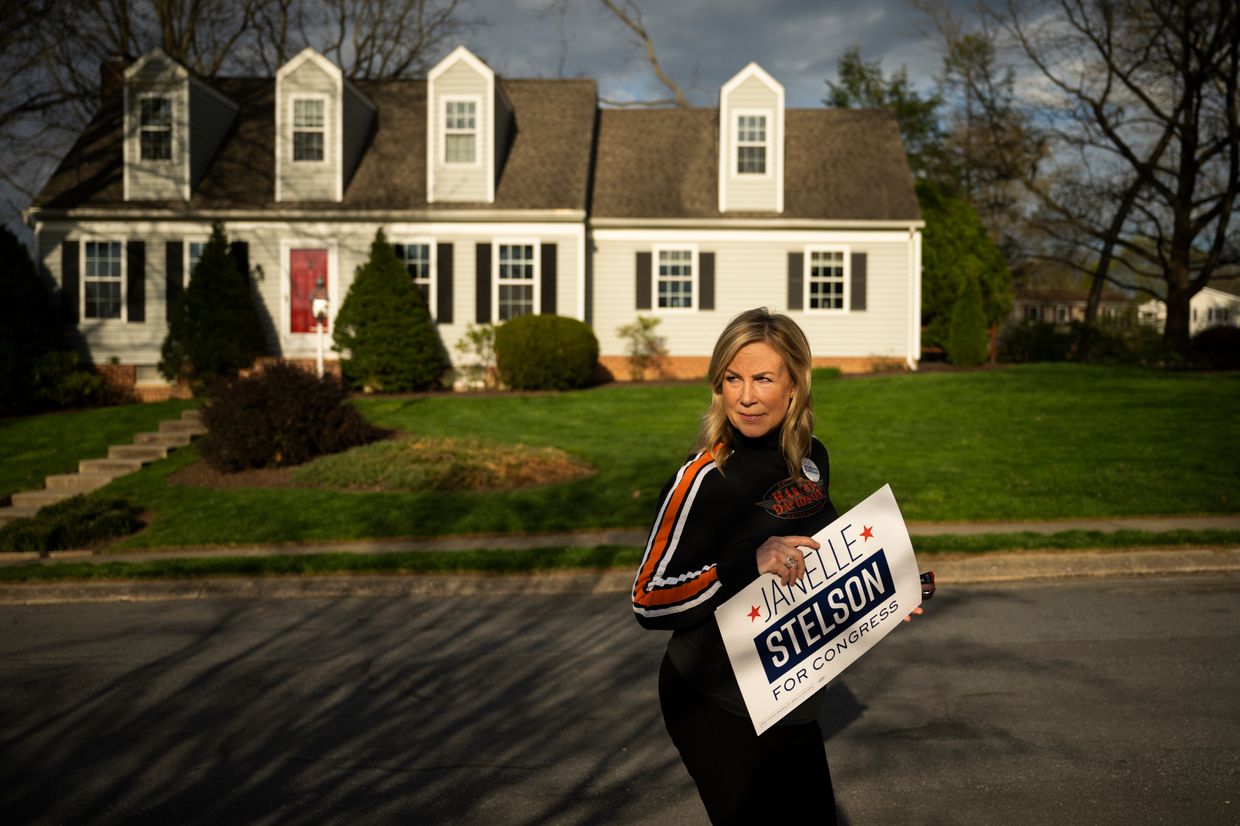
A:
781	556
918	611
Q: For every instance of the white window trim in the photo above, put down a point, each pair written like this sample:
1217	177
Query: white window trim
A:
292	127
476	100
433	293
124	316
733	171
505	242
695	287
172	128
806	264
304	344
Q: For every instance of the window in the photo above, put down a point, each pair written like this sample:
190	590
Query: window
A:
309	129
193	254
751	144
460	143
417	259
515	280
155	128
1032	313
102	281
826	279
1061	314
674	277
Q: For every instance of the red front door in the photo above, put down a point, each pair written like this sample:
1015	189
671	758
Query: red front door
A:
306	268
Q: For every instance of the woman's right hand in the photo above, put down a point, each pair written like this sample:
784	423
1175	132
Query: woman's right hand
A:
782	556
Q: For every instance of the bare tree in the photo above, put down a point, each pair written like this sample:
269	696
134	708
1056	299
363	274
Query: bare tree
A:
1137	100
388	38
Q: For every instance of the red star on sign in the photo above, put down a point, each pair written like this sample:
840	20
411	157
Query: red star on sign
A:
753	615
867	534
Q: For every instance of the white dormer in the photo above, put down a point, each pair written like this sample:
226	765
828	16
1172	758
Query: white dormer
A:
751	144
469	126
174	123
322	124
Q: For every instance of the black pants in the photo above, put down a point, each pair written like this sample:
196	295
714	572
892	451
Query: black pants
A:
741	777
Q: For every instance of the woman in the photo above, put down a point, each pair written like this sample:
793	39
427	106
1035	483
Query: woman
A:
753	494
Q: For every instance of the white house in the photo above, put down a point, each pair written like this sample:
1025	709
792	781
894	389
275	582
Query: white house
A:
504	197
1211	307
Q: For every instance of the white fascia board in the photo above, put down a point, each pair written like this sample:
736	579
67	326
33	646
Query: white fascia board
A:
804	236
154	54
339	148
457	54
307	54
316	229
581	272
611	224
447	217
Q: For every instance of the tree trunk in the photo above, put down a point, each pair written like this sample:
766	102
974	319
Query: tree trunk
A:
1176	335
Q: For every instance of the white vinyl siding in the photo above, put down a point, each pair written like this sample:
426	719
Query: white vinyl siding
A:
751	128
827	279
103	279
675	278
453	173
308	124
751	270
515	267
156	150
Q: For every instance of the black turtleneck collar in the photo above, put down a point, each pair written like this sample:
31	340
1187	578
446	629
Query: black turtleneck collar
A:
768	441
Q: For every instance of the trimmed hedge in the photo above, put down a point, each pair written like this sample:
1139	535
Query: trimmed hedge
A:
1217	348
283	415
78	522
545	352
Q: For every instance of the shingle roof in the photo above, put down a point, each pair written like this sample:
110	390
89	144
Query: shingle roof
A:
547	166
840	164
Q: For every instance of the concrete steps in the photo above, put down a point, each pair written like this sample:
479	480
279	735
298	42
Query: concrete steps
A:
95	473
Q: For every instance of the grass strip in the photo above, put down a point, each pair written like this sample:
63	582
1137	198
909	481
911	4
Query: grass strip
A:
599	557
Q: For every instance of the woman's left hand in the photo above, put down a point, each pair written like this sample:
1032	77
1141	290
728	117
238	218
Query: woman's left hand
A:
918	610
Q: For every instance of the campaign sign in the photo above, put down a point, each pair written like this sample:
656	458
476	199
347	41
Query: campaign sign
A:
786	642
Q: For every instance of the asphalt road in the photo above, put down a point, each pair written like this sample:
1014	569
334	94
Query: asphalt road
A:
1098	701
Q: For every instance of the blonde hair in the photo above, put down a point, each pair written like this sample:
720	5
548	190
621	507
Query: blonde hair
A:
786	338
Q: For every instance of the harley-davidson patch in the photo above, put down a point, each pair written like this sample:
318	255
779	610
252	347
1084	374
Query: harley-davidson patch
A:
794	498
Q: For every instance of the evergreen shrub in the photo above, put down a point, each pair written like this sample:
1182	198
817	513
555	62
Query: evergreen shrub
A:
646	348
78	522
282	415
1217	348
384	330
966	336
215	330
545	352
1035	341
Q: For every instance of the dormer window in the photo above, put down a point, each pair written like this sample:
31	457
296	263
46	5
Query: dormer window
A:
309	129
460	123
155	125
751	140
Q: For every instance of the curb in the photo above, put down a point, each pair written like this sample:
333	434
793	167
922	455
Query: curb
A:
950	570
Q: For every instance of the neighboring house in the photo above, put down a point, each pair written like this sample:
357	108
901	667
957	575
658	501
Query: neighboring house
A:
504	197
1217	306
1061	307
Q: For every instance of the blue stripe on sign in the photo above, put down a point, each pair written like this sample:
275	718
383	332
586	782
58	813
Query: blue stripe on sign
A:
825	616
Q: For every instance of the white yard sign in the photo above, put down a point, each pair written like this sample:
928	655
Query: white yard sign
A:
786	642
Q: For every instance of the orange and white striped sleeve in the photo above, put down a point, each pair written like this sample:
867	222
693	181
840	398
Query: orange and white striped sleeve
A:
678	576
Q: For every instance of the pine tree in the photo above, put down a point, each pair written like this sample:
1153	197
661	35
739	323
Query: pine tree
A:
384	331
215	329
966	337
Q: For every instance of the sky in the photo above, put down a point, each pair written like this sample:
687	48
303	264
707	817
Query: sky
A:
703	43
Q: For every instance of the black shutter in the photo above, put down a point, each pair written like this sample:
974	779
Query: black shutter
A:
548	279
443	286
69	286
135	277
643	281
241	257
706	281
482	273
796	279
857	299
174	268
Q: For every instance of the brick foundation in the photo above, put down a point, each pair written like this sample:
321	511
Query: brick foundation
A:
696	367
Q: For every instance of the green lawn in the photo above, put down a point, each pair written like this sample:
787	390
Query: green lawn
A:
1028	442
34	447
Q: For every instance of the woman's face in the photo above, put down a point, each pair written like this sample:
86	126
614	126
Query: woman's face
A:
757	389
